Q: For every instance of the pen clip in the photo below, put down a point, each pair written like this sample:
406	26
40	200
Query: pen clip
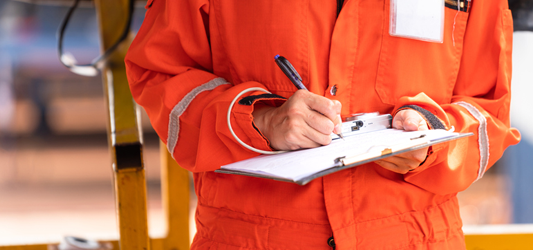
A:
293	70
284	63
290	71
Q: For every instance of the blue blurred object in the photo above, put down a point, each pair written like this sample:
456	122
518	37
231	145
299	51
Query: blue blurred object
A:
29	33
518	164
28	36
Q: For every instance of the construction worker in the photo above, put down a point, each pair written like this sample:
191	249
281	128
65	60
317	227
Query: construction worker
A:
191	59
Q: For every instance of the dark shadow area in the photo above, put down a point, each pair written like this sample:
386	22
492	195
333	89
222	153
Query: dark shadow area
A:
522	14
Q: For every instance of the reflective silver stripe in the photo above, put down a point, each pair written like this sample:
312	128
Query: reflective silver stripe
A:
177	111
482	135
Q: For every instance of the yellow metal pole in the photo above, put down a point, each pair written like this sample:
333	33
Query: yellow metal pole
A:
124	134
175	193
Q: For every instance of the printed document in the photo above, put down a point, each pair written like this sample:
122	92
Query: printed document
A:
299	164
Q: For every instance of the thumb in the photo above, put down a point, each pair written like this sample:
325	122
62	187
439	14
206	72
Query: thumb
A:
413	123
409	120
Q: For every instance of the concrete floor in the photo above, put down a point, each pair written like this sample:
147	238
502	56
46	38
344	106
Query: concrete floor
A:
56	186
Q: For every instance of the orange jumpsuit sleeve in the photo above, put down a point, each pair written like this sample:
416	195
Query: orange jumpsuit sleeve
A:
169	69
480	104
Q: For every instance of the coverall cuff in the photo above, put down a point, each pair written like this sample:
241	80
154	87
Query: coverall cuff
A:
430	159
435	117
433	122
245	120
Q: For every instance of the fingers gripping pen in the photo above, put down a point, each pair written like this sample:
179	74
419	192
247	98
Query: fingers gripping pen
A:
293	75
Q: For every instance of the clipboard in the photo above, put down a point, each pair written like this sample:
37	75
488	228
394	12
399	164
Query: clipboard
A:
345	161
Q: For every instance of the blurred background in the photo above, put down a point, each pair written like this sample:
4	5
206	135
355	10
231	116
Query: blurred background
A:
55	171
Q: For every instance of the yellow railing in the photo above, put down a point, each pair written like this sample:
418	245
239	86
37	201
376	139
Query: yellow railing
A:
499	237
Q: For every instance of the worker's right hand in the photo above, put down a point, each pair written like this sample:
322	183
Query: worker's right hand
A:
305	120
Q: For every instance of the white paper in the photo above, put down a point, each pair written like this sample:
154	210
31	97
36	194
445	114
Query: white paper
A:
297	164
417	19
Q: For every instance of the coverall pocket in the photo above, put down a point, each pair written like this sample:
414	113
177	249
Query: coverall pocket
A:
269	27
407	67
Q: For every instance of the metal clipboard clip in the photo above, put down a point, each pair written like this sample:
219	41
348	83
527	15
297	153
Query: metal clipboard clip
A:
381	150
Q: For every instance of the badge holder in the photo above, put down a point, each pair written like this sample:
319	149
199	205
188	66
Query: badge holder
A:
417	19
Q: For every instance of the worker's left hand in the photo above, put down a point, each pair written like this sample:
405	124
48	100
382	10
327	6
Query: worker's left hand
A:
408	120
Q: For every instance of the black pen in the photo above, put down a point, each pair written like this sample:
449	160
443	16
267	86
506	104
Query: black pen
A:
293	75
289	71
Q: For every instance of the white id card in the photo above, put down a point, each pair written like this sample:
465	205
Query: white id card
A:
417	19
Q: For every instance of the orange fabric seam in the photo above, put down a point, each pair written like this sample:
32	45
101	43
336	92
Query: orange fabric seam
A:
427	208
261	217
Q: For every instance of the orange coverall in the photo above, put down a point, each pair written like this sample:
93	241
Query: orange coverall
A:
192	57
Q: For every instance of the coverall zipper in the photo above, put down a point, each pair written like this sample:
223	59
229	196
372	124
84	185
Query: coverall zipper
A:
339	6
